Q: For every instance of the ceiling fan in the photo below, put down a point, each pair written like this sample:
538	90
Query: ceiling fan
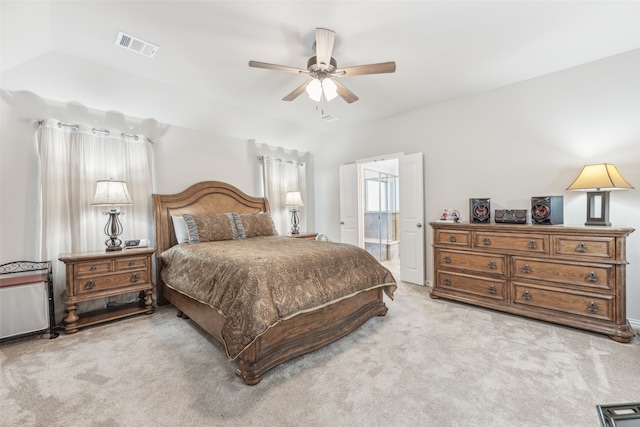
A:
323	69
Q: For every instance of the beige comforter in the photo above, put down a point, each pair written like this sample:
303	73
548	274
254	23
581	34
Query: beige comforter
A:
254	283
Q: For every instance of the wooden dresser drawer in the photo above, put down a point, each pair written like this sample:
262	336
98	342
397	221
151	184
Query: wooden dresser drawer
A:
485	287
453	237
584	247
565	301
112	281
598	276
132	263
82	269
483	263
532	243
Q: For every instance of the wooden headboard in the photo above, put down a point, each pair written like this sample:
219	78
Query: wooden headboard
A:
202	198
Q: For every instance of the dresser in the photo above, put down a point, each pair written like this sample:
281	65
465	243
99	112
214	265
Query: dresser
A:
101	274
570	275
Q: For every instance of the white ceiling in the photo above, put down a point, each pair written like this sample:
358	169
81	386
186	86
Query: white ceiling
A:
443	50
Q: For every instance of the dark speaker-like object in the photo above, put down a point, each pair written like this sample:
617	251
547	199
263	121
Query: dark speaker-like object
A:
511	216
479	210
547	210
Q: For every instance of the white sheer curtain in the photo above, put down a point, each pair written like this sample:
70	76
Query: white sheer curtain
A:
280	177
72	159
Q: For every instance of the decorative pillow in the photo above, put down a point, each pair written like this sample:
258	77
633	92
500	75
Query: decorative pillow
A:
254	225
180	228
210	228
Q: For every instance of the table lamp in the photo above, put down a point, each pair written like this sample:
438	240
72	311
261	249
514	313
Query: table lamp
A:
598	180
112	193
294	201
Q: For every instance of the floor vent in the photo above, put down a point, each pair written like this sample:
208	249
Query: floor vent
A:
136	45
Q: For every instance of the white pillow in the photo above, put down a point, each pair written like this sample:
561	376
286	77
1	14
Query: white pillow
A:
180	228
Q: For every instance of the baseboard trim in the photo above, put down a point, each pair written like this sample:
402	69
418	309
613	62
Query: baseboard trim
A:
635	324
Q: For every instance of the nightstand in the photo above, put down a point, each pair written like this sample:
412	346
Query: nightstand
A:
101	274
303	235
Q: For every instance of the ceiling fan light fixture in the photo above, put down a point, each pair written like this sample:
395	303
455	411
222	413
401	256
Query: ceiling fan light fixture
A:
314	90
330	89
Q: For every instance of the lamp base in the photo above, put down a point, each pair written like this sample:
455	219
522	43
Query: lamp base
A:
598	208
295	220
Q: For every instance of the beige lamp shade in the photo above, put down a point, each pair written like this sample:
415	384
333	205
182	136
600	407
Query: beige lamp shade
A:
110	192
293	199
603	176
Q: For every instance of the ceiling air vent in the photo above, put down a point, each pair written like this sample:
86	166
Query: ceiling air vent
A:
329	118
137	45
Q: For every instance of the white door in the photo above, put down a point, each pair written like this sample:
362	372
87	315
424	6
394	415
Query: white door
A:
349	199
412	227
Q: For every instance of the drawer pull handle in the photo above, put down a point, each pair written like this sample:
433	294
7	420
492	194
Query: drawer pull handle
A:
526	295
491	265
526	269
93	268
533	244
447	259
447	281
132	263
492	290
581	247
592	307
486	241
592	277
452	238
134	277
89	285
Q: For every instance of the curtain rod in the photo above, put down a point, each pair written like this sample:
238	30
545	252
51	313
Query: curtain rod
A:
261	158
123	135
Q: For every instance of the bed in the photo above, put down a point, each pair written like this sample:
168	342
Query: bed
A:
284	327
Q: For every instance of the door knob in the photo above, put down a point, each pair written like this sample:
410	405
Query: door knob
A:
419	225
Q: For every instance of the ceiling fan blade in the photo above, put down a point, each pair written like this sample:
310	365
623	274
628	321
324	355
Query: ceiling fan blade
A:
296	92
345	93
324	46
358	70
265	65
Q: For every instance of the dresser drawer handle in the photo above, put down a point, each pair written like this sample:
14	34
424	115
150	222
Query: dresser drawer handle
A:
592	277
533	244
132	263
526	269
486	241
447	281
89	285
134	277
447	259
581	247
93	268
452	238
526	295
491	265
492	290
592	307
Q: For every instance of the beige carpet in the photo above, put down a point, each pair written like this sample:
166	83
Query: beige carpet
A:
427	363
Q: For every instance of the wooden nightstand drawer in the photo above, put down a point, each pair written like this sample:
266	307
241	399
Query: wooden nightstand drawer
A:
484	263
113	281
585	247
534	243
564	301
575	274
131	263
91	268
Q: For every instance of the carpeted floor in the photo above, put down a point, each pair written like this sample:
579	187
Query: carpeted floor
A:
427	363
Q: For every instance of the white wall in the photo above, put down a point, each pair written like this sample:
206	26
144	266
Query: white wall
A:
528	139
